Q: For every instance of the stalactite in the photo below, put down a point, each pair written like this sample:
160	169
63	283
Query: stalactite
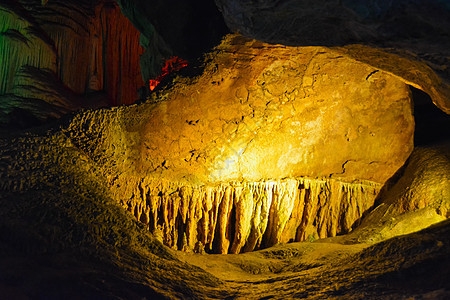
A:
21	45
242	217
90	46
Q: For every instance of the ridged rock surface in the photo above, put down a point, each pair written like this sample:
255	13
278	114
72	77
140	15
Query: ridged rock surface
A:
53	54
241	217
63	237
25	51
22	43
269	144
420	197
98	48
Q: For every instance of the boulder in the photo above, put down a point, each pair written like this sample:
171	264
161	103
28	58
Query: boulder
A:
271	143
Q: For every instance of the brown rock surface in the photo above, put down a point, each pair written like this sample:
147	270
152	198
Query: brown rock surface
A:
64	234
408	67
266	112
209	157
242	217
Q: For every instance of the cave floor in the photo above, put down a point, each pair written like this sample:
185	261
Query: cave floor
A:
289	270
332	269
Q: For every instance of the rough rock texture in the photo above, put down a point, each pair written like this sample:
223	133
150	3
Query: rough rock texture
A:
52	54
186	29
242	217
207	164
418	30
98	48
277	112
409	67
420	198
411	266
63	237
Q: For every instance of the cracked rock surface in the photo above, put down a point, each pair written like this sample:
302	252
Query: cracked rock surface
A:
261	112
416	30
52	55
63	236
270	144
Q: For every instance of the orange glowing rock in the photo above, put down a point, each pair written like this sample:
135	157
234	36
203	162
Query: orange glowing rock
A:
171	65
270	144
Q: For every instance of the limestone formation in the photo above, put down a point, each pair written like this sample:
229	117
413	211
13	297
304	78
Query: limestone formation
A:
415	30
98	50
22	43
269	144
408	67
62	236
242	217
24	49
51	55
420	197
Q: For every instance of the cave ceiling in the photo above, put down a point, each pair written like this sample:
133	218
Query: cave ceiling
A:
416	31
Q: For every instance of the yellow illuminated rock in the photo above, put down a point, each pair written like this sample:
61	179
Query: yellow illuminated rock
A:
420	198
219	162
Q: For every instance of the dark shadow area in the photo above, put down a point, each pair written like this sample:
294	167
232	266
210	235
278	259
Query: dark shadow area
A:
432	124
190	28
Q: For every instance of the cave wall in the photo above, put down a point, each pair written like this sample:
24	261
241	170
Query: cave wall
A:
98	50
23	43
53	54
24	49
271	144
417	199
245	216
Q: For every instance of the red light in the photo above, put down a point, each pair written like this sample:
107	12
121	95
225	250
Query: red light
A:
172	64
153	83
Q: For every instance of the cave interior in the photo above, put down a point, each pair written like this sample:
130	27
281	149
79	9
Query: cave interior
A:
226	149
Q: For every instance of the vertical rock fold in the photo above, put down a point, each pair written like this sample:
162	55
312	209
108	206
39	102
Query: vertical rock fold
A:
242	217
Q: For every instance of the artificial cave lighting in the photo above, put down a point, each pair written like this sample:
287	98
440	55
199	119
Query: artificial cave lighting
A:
148	152
170	65
296	145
